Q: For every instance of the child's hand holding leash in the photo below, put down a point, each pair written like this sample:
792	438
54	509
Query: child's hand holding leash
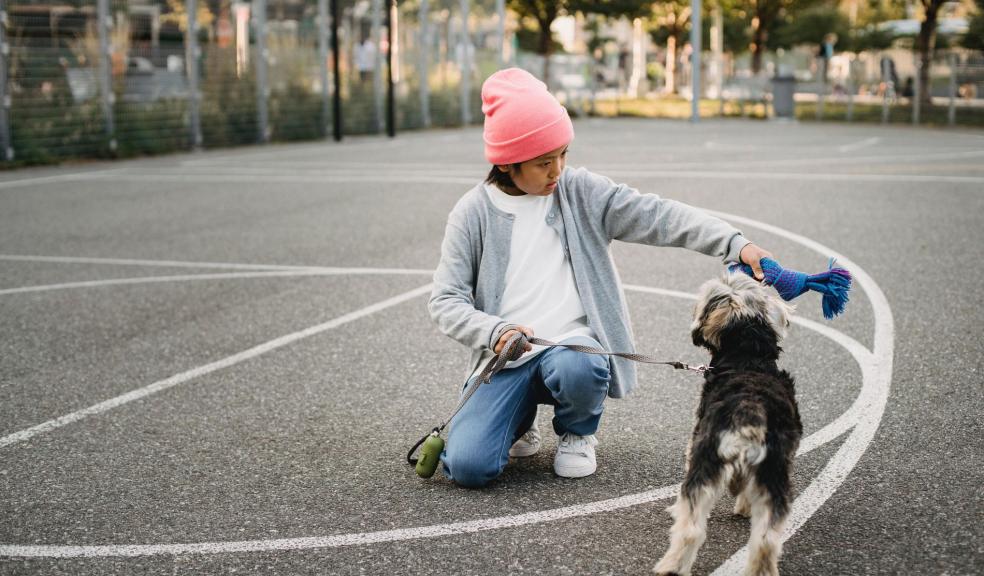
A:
509	333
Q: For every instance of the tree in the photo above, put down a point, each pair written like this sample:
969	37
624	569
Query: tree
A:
974	39
544	12
672	19
926	44
765	16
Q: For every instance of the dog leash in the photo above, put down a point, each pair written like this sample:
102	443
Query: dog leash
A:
432	442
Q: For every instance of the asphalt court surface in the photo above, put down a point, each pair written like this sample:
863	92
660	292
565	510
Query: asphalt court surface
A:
264	308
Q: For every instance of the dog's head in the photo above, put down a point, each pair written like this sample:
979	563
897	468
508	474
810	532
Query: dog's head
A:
737	305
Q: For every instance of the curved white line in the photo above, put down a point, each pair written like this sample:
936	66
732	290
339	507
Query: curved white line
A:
876	373
815	440
161	385
870	404
342	539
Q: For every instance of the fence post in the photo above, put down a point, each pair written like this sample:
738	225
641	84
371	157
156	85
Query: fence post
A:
500	10
423	69
336	97
192	52
6	148
323	56
390	96
822	90
916	91
951	114
695	60
465	64
850	89
106	96
889	88
262	92
377	68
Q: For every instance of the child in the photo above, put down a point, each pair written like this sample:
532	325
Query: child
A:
528	251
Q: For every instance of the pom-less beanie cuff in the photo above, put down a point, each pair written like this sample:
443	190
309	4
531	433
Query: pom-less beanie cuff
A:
522	119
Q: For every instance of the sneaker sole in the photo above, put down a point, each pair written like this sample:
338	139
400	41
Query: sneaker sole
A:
579	472
523	452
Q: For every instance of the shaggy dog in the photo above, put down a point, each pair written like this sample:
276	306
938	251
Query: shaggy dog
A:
748	425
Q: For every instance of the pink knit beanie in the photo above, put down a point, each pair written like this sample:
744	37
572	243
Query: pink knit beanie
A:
522	119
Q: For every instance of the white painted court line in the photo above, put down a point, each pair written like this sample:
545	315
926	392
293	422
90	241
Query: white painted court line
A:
212	367
294	178
803	507
871	402
220	276
442	179
128	550
136	262
74	176
812	442
819	177
861	355
342	539
859	145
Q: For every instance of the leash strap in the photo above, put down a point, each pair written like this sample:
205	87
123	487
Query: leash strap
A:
514	348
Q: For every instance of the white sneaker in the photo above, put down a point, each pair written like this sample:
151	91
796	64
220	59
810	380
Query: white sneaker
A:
528	444
575	456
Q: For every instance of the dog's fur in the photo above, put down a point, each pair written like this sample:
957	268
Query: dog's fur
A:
748	425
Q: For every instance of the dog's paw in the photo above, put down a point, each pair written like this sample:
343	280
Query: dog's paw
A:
662	569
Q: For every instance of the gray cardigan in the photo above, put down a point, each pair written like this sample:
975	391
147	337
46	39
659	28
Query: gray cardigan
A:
591	211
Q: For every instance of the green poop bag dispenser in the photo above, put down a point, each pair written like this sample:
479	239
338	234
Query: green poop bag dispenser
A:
430	455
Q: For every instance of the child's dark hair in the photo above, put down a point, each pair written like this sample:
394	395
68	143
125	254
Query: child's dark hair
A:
500	178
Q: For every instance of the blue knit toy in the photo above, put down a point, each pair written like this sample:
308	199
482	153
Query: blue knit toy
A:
834	284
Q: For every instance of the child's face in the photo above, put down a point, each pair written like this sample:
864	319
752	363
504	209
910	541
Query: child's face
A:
538	177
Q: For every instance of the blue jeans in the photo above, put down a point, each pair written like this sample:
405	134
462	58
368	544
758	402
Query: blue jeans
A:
502	410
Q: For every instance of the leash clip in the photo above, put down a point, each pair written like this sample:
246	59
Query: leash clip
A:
702	369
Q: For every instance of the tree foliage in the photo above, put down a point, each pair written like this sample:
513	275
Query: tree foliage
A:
974	38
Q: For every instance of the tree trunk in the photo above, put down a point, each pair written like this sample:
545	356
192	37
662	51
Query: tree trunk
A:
758	46
546	47
926	43
671	64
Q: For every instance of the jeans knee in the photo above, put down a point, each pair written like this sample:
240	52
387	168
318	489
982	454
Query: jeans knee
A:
471	470
583	376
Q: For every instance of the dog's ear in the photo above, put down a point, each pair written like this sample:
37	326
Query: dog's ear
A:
697	335
711	313
779	312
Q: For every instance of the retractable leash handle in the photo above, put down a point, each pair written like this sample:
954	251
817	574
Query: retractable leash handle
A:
834	284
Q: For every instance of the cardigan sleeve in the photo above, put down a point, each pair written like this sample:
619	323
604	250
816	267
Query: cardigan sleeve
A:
630	216
452	301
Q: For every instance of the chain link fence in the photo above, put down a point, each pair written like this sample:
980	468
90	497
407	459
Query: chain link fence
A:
111	78
107	78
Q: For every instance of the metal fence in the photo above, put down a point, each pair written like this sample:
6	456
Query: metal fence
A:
105	78
125	77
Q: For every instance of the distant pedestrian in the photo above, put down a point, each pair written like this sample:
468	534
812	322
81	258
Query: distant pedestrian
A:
527	250
365	59
825	52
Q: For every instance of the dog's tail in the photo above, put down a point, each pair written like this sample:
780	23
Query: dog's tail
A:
743	443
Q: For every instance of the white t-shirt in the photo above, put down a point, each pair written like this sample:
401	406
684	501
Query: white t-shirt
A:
539	288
